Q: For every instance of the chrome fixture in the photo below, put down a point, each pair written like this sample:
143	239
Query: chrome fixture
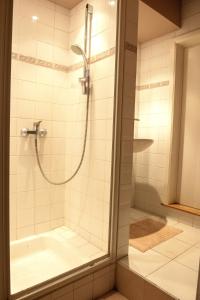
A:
78	51
36	130
85	81
89	8
88	29
86	72
86	53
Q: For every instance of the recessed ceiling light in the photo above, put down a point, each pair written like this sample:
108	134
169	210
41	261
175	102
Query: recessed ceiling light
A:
35	18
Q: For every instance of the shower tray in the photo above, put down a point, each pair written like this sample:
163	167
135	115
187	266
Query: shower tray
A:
41	257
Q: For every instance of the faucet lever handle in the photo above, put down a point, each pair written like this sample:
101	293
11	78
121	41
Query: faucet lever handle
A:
36	125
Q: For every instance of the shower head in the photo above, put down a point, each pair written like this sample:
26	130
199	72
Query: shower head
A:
79	51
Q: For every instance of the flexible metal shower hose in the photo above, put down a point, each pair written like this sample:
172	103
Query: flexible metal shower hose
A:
82	155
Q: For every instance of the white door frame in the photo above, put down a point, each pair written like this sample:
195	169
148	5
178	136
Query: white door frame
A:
181	43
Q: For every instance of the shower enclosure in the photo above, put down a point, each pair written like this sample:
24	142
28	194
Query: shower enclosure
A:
62	108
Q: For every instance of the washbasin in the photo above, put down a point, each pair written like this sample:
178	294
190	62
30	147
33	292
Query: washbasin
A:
140	145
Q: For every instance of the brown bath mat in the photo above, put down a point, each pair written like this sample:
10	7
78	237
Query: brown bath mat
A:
148	233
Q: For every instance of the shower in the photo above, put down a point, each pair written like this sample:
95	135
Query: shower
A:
85	83
79	51
61	144
86	73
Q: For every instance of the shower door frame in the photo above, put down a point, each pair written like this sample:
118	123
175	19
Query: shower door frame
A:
6	8
6	15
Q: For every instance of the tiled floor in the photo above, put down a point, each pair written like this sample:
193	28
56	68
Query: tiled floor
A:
113	296
38	258
173	265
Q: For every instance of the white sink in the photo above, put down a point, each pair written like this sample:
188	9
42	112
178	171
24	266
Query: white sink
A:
140	145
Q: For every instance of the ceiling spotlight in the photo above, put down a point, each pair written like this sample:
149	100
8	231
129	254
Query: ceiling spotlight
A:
35	18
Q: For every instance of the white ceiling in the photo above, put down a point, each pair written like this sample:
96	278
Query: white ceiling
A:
67	3
151	24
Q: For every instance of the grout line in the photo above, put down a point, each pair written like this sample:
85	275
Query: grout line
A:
159	267
176	255
196	271
172	259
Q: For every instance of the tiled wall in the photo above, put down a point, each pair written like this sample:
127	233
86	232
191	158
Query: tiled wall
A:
92	286
87	203
38	93
154	108
43	89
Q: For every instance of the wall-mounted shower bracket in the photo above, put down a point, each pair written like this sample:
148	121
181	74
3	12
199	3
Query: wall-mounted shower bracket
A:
36	130
85	82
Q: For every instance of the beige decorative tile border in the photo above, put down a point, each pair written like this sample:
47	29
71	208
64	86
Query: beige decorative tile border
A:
152	85
39	62
58	67
130	47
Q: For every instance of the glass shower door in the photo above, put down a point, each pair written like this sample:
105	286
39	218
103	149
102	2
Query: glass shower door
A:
62	101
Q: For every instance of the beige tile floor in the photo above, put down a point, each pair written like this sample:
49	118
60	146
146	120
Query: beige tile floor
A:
172	265
113	296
